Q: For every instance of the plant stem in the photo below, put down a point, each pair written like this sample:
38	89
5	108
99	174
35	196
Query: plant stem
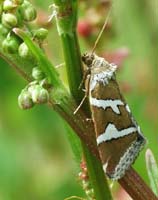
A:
67	31
97	176
136	187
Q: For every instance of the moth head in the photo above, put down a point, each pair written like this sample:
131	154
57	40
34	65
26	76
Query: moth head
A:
88	58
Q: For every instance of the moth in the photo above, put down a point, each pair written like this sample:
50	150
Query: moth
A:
119	138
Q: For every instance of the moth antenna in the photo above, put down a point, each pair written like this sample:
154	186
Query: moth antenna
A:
101	32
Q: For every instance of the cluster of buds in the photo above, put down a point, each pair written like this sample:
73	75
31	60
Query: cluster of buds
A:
35	92
18	13
83	176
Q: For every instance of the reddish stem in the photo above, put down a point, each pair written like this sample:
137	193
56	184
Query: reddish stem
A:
136	187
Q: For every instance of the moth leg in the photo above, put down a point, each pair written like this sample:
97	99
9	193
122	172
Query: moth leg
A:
79	106
74	197
85	96
85	75
60	65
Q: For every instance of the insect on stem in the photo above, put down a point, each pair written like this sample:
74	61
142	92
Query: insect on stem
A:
88	71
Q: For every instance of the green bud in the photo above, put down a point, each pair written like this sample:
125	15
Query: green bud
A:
24	51
39	94
27	11
32	86
41	33
24	100
86	184
37	73
8	5
10	45
3	30
9	20
90	192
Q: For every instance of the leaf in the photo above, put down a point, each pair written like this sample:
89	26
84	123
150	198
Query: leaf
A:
152	170
45	65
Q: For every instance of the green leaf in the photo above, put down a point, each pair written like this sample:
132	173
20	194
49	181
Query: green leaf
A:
45	65
152	170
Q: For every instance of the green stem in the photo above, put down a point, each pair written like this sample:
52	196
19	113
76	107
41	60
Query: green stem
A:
66	20
73	61
66	23
97	176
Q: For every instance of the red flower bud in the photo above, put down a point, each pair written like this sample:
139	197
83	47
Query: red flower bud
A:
84	28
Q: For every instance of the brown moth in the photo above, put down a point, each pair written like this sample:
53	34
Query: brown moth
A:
118	136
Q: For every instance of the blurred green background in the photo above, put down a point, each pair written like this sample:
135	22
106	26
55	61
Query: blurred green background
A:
36	161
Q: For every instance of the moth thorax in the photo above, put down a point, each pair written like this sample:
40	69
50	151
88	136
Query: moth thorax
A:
94	61
99	62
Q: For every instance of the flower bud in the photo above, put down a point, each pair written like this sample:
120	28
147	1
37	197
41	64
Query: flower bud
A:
24	100
39	94
3	30
24	51
10	45
8	5
90	193
41	33
85	184
84	28
27	11
9	20
37	73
